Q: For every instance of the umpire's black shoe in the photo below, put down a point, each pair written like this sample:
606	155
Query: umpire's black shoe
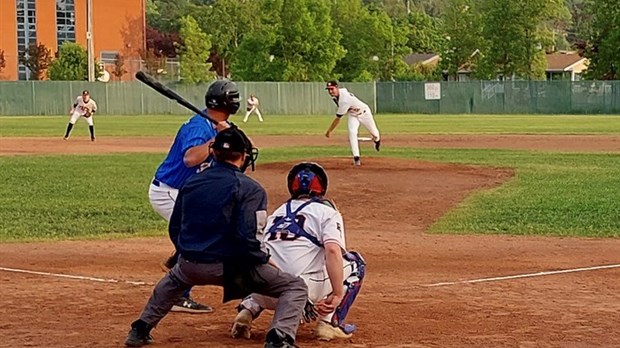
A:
139	335
378	145
277	339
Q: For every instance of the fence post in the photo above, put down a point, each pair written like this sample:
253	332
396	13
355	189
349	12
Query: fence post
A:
34	99
374	92
107	105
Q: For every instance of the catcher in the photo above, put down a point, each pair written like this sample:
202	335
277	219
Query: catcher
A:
305	238
85	107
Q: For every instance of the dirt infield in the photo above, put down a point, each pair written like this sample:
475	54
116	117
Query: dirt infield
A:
387	205
83	145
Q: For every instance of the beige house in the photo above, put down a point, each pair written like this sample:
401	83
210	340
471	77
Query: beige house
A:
565	65
561	65
422	59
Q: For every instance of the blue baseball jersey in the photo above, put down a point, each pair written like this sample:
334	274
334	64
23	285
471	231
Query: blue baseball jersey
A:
196	131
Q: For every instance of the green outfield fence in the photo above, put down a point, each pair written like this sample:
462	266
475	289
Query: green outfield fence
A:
310	98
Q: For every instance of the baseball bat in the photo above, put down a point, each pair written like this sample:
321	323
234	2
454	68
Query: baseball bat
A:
170	94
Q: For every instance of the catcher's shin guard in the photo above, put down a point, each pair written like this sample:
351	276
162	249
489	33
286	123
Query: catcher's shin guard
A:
353	284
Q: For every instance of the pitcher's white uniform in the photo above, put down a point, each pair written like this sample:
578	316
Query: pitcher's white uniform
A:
80	108
301	257
358	113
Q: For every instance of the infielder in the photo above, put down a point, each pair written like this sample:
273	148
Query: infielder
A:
85	107
253	103
358	112
305	237
189	154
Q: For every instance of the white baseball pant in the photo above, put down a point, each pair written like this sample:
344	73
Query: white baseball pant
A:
162	199
319	287
76	115
253	109
366	119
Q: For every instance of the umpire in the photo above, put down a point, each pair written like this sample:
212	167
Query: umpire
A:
214	227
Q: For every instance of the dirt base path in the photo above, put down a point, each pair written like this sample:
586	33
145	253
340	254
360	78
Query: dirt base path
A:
387	204
83	145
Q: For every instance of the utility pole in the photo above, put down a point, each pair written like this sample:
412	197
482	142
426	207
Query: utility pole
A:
89	40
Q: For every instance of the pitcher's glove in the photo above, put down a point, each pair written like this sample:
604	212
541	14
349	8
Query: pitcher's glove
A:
310	314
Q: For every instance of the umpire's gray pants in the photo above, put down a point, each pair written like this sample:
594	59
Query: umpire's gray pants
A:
291	292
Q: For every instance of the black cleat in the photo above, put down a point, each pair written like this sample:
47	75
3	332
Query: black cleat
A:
378	145
139	335
275	339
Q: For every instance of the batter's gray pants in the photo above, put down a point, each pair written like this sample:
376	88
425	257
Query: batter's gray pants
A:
291	292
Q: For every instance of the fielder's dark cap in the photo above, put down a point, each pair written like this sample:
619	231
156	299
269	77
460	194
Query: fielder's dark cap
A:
331	84
85	92
230	139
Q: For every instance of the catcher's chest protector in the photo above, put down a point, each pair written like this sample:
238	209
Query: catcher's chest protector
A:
291	226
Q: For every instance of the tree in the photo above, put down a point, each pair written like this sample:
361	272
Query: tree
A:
462	30
375	45
37	58
602	47
423	33
71	63
301	37
162	44
235	19
119	67
517	35
2	60
581	25
194	52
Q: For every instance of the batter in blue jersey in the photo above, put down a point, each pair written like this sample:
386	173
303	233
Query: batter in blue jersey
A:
189	153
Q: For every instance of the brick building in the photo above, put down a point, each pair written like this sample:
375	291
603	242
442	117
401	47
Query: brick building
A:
118	28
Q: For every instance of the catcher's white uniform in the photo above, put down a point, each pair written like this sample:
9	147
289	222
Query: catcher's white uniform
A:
302	256
358	113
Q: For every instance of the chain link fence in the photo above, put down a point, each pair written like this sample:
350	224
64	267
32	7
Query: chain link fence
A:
310	98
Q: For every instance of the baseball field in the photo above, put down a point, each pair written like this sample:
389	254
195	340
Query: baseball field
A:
479	231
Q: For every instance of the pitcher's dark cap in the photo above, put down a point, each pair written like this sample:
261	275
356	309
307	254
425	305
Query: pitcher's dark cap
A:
230	139
331	84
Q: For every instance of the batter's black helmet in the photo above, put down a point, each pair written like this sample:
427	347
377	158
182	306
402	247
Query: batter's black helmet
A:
223	95
307	179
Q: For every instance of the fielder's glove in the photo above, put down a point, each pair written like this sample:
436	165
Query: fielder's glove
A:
310	314
87	113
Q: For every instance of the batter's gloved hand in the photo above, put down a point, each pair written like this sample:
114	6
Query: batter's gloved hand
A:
310	314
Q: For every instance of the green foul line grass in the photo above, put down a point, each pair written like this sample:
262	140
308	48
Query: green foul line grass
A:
105	125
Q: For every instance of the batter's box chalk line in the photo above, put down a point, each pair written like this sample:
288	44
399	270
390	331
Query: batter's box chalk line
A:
76	277
526	275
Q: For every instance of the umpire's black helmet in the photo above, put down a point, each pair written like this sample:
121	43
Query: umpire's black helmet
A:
307	179
223	95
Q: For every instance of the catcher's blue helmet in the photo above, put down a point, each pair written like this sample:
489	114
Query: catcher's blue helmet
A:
307	179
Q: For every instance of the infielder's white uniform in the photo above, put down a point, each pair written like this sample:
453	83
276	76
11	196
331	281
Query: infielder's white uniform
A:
301	257
358	113
81	108
252	107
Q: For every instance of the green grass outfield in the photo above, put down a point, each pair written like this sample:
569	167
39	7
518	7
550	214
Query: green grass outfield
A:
80	196
388	123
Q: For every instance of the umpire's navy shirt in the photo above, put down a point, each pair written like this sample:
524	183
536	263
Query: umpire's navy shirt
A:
215	217
196	131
